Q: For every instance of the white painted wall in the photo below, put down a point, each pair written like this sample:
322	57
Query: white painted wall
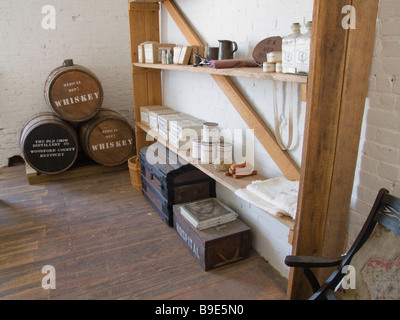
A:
96	34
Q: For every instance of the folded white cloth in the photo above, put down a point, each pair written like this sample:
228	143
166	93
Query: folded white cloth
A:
277	196
260	203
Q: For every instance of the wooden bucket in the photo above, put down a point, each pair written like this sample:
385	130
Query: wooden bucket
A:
73	92
49	144
134	172
107	138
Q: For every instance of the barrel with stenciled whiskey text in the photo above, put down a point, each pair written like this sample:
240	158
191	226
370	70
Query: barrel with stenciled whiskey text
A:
48	143
73	92
107	138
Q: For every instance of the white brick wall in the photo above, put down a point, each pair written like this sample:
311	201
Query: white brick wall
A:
379	156
94	33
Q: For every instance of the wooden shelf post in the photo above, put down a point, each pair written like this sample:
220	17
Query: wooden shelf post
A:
338	83
144	26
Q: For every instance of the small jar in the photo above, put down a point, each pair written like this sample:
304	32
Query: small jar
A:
225	151
196	149
279	68
208	152
274	57
210	132
268	67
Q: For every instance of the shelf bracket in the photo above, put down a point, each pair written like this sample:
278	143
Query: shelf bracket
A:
267	139
183	25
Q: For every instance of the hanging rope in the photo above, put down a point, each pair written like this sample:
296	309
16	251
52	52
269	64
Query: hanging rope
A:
277	122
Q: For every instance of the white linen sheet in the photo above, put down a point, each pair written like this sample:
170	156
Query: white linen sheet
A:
277	196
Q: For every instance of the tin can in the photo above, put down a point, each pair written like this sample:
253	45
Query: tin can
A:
210	132
268	67
279	68
208	152
196	149
225	151
274	57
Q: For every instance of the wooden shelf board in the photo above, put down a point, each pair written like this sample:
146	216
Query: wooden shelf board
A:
254	73
226	181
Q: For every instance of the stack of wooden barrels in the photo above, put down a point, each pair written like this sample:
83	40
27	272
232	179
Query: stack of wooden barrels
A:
50	141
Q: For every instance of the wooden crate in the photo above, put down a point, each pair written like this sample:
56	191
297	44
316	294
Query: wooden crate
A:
217	246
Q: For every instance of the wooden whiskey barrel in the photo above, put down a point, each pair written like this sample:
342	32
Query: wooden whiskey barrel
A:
107	138
49	144
73	92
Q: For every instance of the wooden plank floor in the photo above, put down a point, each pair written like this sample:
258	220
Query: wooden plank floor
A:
106	242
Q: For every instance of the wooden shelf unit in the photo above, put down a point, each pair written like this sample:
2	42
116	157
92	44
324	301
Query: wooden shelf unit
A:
336	91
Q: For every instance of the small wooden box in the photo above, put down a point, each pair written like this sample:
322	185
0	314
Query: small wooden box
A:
217	246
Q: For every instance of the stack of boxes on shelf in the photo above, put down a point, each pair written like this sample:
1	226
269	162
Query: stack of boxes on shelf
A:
166	120
154	115
175	127
182	130
167	53
186	133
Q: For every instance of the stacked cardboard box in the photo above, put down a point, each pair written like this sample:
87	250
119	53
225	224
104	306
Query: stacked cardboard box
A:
164	123
184	131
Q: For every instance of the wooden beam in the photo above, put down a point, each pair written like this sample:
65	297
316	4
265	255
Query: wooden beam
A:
144	26
340	63
357	70
261	131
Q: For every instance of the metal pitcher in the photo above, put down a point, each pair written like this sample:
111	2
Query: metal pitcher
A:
226	49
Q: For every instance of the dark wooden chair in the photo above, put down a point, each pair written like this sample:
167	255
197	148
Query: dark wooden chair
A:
375	255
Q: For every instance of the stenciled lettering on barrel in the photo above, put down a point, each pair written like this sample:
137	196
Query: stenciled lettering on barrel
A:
108	138
73	92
